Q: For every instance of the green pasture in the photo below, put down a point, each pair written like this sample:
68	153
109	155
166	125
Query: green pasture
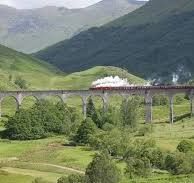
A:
23	161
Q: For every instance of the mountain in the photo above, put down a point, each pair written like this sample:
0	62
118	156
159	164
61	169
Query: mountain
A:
153	42
40	75
31	30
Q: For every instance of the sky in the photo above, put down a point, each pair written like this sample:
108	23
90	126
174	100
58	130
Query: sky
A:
29	4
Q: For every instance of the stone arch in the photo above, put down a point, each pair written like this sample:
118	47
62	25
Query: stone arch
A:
54	98
160	105
28	101
77	101
100	101
73	96
182	106
116	99
7	104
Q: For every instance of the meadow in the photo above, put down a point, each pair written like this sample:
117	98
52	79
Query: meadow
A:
23	161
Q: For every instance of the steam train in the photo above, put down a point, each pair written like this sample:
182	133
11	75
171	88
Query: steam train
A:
102	88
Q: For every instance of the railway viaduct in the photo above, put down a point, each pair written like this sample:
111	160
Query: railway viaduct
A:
146	92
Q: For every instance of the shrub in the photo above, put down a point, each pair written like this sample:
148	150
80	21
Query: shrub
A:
157	158
185	146
178	163
129	112
85	131
72	179
21	82
112	116
92	113
102	170
39	180
160	100
146	129
115	142
140	167
23	126
40	121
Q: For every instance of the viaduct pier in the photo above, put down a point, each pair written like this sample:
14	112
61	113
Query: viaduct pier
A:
148	92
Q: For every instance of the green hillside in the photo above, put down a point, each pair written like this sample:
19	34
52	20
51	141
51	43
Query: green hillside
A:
83	80
14	64
40	75
155	41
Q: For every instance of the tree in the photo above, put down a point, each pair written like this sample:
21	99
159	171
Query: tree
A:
138	158
110	117
85	131
129	112
43	119
21	82
10	77
102	170
24	126
160	100
185	146
138	167
92	113
72	179
115	142
179	163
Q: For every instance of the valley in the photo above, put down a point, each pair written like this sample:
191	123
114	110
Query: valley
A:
109	134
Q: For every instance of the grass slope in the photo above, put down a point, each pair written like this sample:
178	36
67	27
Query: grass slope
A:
23	161
40	75
154	41
83	80
14	64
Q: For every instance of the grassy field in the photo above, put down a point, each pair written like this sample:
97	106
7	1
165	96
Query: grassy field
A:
51	79
40	75
23	161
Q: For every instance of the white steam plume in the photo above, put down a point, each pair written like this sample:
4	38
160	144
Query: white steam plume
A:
112	81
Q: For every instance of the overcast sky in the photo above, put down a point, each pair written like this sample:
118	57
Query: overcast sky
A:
22	4
28	4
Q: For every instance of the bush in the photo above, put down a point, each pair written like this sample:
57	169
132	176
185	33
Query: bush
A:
146	129
160	100
129	112
39	180
179	163
102	170
110	117
139	158
92	113
21	83
157	158
85	131
22	126
115	142
40	121
140	167
185	146
72	179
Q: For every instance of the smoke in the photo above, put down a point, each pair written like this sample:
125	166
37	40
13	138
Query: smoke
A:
112	81
175	78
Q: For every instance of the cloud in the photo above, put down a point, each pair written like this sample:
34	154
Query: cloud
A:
27	4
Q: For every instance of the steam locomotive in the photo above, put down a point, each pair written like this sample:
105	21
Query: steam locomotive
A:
102	88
